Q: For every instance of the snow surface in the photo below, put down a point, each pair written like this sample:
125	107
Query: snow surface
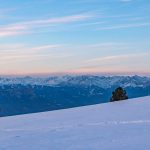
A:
123	125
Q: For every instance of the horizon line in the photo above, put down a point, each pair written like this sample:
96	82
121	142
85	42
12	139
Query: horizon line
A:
78	73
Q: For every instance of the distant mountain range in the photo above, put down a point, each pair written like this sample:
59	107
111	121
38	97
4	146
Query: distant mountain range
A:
84	80
19	95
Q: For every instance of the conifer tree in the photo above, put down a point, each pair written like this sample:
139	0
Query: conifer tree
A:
119	94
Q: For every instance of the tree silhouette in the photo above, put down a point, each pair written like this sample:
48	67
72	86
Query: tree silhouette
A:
119	94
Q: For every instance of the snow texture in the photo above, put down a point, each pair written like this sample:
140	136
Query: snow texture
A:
123	125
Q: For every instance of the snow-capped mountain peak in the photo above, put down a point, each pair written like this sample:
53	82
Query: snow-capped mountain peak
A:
85	80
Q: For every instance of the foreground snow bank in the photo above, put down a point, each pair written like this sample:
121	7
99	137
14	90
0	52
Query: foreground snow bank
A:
123	125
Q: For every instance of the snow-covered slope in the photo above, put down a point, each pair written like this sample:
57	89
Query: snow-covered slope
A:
123	125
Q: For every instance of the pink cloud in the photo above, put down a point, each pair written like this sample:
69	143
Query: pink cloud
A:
25	27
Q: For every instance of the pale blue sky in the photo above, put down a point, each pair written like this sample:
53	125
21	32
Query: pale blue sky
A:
77	36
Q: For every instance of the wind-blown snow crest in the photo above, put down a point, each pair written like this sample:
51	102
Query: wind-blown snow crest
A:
121	125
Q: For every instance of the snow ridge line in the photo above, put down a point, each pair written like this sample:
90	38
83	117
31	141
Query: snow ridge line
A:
79	125
120	122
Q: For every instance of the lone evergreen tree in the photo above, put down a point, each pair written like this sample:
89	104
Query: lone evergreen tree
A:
119	94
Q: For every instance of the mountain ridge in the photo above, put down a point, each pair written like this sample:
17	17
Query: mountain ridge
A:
85	80
28	95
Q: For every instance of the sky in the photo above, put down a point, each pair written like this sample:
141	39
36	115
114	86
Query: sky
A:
74	36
